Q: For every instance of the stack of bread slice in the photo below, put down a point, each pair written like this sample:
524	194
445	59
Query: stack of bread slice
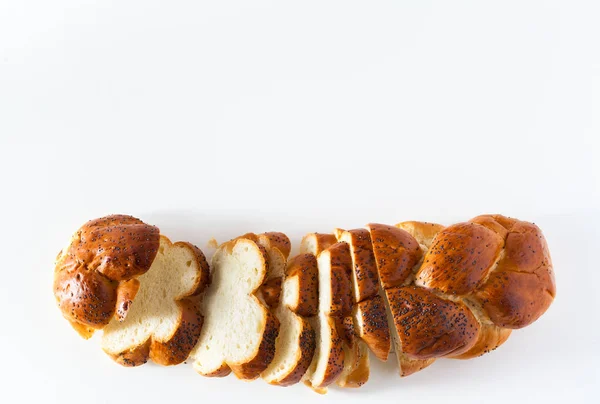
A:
420	290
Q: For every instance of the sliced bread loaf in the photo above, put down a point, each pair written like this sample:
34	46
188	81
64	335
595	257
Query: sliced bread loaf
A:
295	344
239	331
370	317
335	302
162	324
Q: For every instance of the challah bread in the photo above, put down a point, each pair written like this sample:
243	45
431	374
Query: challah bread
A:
95	276
371	321
163	324
239	331
434	291
295	344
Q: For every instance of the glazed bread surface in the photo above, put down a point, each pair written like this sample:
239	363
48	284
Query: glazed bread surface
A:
95	276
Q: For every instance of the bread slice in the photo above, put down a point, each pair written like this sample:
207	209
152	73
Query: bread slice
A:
398	255
239	331
370	317
162	324
335	303
295	345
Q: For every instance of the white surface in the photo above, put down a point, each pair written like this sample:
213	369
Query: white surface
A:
215	120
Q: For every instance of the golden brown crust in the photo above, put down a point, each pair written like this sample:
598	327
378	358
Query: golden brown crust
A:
273	243
341	285
102	253
223	371
374	330
522	285
83	330
396	253
315	243
126	292
430	326
265	352
460	258
304	268
408	366
423	232
490	337
178	347
204	279
87	298
362	369
335	363
356	365
307	343
276	240
271	292
133	357
364	268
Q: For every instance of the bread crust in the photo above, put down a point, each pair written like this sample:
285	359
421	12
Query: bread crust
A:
334	263
135	356
304	269
408	366
341	285
460	258
301	275
502	263
251	369
396	253
490	337
103	254
315	243
373	327
356	365
522	286
364	269
430	326
277	240
371	319
423	232
307	345
335	356
177	348
180	343
265	352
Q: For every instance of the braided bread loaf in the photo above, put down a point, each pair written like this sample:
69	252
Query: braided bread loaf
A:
458	291
423	290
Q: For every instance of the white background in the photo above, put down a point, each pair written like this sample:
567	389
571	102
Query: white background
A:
223	118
